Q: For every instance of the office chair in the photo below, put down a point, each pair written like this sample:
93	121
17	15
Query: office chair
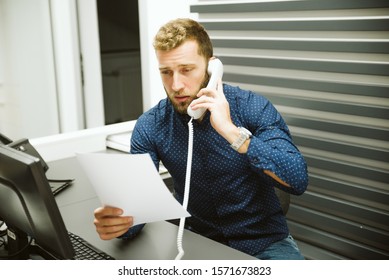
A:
284	199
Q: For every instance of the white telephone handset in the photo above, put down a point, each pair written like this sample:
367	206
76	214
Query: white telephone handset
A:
215	70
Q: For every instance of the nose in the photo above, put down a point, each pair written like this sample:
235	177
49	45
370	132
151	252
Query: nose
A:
177	84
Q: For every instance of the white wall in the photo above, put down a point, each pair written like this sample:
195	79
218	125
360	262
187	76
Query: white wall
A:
39	77
28	89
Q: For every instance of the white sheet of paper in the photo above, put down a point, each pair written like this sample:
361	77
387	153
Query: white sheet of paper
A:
132	183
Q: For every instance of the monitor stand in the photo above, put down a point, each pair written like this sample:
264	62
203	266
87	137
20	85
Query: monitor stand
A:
21	247
18	244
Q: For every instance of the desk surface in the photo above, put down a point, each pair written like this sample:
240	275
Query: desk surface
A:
156	240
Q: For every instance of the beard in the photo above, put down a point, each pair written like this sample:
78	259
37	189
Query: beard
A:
182	107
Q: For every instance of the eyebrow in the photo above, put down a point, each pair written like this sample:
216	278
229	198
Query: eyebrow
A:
180	65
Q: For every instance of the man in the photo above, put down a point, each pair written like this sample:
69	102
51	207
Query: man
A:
242	150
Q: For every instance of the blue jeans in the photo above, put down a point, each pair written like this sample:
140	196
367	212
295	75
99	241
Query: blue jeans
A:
285	249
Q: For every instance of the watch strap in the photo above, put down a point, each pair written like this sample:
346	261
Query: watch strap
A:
244	134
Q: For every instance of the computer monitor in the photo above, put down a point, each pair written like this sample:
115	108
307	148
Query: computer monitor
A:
4	139
29	209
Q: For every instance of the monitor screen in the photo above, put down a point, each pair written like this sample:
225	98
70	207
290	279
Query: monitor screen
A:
28	207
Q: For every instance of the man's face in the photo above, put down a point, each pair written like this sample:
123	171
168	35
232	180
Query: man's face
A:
183	73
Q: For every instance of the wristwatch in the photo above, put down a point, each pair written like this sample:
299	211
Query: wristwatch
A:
244	134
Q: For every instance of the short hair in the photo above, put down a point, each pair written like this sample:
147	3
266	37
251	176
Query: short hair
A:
175	32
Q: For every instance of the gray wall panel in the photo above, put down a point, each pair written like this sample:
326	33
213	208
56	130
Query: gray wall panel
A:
324	64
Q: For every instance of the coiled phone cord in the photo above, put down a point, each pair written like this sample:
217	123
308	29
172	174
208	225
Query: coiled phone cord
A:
186	191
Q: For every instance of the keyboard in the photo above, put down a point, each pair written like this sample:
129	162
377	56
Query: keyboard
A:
85	251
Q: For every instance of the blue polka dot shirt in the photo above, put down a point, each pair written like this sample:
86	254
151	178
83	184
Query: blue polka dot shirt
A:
231	199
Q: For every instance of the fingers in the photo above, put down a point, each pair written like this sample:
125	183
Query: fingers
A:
107	211
207	96
110	224
212	92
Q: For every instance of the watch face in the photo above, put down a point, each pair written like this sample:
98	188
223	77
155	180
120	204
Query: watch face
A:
246	132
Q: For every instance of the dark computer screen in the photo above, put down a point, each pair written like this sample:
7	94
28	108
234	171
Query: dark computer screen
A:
28	207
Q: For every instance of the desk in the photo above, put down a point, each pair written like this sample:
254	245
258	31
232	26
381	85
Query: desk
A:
156	241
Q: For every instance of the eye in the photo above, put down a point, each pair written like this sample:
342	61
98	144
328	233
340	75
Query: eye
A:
186	69
166	72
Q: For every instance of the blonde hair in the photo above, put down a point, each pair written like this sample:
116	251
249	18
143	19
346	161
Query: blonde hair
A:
176	32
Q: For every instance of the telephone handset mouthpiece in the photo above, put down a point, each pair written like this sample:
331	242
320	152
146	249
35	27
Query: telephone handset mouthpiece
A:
215	70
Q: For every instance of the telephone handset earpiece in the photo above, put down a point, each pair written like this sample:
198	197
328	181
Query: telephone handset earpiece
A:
215	70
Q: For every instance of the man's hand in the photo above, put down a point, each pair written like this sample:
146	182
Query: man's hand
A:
216	102
109	222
